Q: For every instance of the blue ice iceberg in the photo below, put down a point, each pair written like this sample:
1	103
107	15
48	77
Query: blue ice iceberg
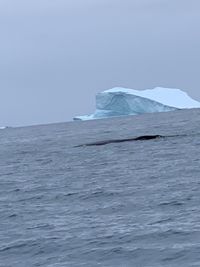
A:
122	101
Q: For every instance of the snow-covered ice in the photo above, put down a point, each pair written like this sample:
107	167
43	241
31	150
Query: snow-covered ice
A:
123	101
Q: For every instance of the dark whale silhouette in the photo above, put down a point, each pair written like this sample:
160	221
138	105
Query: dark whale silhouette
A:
139	138
134	139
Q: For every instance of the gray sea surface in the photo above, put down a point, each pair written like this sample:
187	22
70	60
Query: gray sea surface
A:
135	203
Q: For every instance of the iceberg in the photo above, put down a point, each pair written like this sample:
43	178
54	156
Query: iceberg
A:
4	127
123	102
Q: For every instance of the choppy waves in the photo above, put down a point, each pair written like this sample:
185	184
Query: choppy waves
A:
120	204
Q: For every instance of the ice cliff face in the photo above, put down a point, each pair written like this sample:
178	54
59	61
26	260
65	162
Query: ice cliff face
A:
121	101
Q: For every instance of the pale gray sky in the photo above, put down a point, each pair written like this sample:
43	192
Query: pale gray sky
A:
55	55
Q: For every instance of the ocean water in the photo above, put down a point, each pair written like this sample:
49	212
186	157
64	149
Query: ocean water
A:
134	203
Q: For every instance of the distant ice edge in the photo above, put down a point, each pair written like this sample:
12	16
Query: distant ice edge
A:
123	102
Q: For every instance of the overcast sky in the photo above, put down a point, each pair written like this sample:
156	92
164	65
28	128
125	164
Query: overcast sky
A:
55	55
